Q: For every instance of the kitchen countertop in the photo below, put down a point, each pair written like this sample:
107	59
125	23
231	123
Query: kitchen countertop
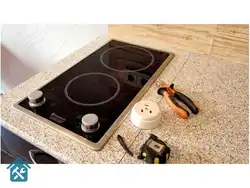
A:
218	134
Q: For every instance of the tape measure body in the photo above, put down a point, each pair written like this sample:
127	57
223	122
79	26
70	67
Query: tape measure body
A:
154	151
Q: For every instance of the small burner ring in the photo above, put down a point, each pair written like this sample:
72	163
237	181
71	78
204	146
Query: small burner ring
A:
136	47
91	104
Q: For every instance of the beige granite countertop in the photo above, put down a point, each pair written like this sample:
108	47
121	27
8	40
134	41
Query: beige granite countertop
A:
218	134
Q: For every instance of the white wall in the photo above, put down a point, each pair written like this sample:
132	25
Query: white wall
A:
28	49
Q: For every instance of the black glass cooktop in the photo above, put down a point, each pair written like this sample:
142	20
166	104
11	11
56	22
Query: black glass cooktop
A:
104	83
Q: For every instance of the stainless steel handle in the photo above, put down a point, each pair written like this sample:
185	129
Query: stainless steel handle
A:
40	157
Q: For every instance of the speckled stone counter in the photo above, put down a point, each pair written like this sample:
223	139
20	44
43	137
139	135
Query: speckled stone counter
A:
218	134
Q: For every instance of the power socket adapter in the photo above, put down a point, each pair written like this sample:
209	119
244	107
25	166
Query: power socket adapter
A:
146	115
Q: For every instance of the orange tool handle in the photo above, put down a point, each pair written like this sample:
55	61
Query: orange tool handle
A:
184	99
175	106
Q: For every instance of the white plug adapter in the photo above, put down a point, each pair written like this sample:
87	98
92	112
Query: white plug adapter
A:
146	115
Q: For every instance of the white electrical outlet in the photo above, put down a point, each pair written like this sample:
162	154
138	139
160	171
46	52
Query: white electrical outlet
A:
146	114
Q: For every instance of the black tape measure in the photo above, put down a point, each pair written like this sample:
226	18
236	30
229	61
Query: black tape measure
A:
154	151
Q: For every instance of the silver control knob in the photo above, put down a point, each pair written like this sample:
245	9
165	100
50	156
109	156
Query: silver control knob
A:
90	123
36	99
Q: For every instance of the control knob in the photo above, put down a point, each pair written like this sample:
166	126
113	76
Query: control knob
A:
36	99
90	123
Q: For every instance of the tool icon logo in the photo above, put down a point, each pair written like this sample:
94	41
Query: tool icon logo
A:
18	170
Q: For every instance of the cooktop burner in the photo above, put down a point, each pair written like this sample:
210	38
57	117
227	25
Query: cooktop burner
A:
144	56
88	101
91	81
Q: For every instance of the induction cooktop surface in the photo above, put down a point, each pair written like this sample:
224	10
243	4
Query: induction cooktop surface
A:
88	101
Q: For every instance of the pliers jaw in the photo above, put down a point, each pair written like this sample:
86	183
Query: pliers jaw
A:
163	87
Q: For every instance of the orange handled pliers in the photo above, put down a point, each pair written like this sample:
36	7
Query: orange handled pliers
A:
170	95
